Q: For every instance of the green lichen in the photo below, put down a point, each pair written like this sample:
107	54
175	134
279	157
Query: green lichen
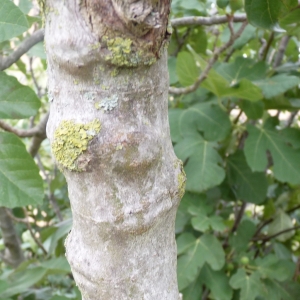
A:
108	103
122	53
119	147
89	96
71	140
114	72
147	60
120	49
95	46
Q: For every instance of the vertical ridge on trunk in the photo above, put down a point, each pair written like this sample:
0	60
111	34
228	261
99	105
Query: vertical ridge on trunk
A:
108	126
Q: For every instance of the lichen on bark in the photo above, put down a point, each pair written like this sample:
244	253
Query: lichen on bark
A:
71	140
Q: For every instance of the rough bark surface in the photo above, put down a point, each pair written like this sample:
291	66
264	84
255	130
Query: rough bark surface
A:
108	126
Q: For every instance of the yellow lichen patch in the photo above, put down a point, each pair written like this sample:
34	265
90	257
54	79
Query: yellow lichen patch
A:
71	139
95	46
119	147
114	72
120	49
123	53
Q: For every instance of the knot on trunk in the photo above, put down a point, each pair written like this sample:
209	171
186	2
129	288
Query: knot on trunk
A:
139	16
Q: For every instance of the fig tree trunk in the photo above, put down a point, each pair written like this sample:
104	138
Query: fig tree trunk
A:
109	133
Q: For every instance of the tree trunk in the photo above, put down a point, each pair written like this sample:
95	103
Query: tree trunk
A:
109	133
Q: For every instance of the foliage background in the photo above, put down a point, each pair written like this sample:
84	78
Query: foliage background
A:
233	111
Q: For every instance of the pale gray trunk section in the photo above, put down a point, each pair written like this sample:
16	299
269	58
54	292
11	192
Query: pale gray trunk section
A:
126	186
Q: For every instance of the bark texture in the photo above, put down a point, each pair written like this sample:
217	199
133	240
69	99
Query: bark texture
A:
108	126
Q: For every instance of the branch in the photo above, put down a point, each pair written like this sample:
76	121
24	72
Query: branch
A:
268	221
27	222
291	118
267	47
51	196
38	130
267	238
262	49
297	271
36	37
239	217
293	209
203	75
282	46
180	41
36	143
38	88
13	253
237	221
207	21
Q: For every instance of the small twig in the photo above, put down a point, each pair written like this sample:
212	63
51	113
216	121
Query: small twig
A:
36	37
230	24
237	117
207	21
269	43
51	197
203	75
36	130
242	140
293	209
33	235
229	54
36	143
281	50
38	88
297	271
266	222
216	33
27	223
16	219
237	221
239	217
13	253
180	41
262	49
205	294
271	56
291	118
267	238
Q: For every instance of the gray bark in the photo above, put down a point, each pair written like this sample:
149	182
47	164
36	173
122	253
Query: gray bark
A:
108	126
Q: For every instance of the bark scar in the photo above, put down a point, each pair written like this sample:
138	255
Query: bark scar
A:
139	16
